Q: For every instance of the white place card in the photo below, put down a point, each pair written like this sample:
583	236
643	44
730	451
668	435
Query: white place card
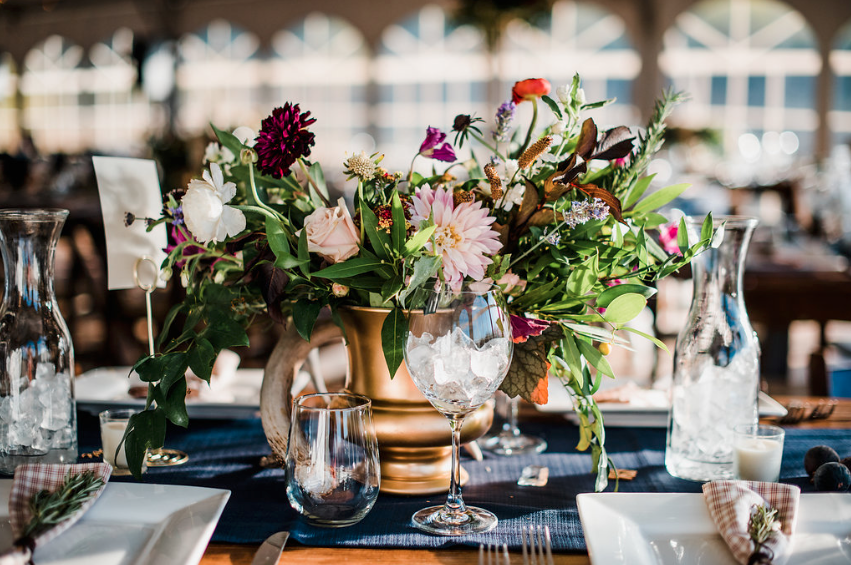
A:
129	185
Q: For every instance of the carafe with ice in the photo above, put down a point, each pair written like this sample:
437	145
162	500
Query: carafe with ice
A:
716	361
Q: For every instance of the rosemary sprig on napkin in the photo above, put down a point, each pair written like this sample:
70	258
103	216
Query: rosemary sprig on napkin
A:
761	525
51	508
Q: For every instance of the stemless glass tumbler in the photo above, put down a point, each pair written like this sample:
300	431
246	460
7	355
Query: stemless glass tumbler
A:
333	472
458	352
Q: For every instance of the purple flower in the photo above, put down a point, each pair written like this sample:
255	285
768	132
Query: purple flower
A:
283	138
504	117
429	147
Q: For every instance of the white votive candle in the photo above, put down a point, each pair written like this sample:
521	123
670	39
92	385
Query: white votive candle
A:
757	453
113	424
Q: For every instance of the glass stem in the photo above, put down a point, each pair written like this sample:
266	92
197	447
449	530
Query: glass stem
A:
454	501
513	407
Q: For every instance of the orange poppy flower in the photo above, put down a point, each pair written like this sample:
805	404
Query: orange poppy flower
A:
529	89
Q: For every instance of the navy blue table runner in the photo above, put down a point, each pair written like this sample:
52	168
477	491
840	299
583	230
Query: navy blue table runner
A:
226	454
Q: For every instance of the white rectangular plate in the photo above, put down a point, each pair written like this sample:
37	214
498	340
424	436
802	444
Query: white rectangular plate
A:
132	524
237	396
662	529
652	413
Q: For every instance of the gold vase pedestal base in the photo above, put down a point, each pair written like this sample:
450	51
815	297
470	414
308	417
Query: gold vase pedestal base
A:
417	471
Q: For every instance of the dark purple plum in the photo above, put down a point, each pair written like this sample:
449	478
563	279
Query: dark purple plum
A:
818	456
832	477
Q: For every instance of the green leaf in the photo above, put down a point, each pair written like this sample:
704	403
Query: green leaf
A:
424	268
277	236
167	369
201	358
553	106
654	220
350	268
638	190
537	294
287	261
659	198
145	430
174	405
595	358
223	331
399	230
706	229
624	308
718	237
572	357
377	237
169	320
583	278
420	238
394	331
611	293
229	140
655	341
303	254
319	178
682	236
305	313
391	287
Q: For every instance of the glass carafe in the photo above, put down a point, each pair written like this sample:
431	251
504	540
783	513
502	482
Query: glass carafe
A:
716	361
38	421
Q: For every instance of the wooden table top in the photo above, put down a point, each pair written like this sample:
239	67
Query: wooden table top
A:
241	554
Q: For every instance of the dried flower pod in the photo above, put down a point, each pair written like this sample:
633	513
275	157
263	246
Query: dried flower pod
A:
496	183
461	196
535	150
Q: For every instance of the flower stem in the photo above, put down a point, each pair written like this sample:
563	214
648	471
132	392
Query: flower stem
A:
531	126
256	195
541	241
312	183
360	209
411	171
481	140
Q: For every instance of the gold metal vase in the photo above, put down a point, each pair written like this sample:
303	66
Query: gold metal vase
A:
413	438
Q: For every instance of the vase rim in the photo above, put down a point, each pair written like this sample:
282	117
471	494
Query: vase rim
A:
34	214
365	308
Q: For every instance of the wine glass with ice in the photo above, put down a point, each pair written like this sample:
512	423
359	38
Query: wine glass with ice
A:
458	351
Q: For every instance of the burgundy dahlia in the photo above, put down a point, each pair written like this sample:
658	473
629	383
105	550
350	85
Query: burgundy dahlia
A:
283	138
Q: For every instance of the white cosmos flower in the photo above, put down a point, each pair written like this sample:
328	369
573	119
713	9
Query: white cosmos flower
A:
245	135
205	211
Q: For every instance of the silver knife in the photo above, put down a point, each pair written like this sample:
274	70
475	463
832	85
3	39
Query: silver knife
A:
271	549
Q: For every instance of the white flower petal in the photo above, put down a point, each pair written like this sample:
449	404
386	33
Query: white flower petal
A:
227	191
218	178
233	220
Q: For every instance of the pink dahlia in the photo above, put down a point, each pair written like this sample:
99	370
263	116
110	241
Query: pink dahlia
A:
463	236
283	138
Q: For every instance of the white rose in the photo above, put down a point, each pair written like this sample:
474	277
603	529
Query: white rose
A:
204	209
331	233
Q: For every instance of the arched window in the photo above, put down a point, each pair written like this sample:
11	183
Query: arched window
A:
427	72
323	65
218	78
577	38
8	112
118	115
52	88
750	67
840	62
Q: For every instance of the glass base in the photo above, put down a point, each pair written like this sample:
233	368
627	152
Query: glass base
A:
508	444
698	471
436	520
10	461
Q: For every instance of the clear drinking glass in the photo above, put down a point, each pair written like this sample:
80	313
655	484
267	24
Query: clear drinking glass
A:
333	472
458	351
510	440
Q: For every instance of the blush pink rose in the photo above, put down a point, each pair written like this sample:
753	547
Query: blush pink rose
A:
331	233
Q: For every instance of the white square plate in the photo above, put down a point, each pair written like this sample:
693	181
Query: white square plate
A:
648	410
675	528
132	524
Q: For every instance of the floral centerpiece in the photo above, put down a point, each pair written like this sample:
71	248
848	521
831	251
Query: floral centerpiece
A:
557	217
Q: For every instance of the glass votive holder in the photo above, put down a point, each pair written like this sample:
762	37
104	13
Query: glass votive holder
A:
113	424
333	472
757	452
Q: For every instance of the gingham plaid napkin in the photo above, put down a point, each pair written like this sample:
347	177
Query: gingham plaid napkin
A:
32	478
730	505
